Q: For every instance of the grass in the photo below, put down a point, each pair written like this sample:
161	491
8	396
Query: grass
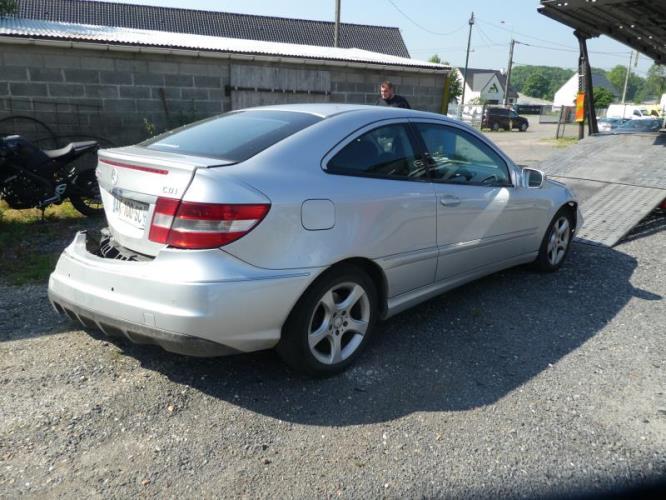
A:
562	142
30	245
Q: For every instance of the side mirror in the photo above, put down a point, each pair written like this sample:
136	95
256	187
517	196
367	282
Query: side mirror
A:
534	178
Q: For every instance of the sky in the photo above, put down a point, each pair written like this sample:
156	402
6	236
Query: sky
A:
441	27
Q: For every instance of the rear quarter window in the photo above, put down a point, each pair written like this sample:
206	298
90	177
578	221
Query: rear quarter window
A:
234	136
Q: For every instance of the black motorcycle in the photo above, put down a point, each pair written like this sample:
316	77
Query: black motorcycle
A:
34	178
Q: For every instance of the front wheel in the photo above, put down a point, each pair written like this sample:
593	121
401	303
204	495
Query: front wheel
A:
332	322
556	242
85	196
523	127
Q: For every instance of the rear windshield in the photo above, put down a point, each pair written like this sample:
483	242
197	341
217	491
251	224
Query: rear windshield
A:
234	136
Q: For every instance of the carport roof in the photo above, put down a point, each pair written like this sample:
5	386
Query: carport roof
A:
639	24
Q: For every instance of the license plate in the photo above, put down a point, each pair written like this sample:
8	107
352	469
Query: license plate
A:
130	211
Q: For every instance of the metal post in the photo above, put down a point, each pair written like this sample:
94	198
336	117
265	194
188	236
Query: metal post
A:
336	33
508	74
469	40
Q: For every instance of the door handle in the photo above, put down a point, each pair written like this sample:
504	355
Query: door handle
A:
449	201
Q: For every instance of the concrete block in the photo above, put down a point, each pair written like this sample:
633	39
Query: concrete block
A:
120	105
148	79
149	105
103	91
354	77
19	105
217	95
410	80
45	75
115	77
13	73
169	93
208	107
405	90
81	75
197	94
367	88
132	65
66	90
86	105
59	61
4	88
194	69
208	82
345	87
131	92
178	80
98	63
427	81
28	89
23	58
163	67
338	98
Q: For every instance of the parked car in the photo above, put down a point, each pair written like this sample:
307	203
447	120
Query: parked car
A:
501	118
608	124
299	227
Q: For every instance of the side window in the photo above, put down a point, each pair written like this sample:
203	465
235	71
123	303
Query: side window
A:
458	157
636	113
382	152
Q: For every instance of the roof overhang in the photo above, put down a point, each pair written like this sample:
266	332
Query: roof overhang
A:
36	32
639	24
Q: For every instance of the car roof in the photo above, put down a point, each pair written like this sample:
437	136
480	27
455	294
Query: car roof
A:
326	110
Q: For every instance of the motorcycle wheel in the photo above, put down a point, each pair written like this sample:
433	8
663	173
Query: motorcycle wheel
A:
87	199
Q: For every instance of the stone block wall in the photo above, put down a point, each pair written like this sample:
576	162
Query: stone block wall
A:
124	97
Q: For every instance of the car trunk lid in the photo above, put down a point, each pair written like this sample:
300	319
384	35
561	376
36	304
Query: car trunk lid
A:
132	179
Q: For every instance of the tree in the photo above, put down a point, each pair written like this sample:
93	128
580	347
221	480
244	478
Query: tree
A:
655	83
556	77
7	7
617	75
602	97
455	87
537	85
435	59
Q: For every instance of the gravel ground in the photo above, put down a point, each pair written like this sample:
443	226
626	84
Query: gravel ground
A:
518	385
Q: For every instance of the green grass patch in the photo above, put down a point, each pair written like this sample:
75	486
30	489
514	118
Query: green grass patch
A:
562	142
30	245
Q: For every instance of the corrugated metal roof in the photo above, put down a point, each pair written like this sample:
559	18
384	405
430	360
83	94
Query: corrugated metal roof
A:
385	40
127	36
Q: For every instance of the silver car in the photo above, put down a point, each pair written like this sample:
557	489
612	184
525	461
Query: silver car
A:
299	227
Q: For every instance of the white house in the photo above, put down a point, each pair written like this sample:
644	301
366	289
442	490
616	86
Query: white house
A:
566	95
488	85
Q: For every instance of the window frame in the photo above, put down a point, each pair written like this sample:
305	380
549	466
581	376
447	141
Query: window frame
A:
414	142
506	162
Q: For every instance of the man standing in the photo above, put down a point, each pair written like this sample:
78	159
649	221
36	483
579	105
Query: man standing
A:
390	98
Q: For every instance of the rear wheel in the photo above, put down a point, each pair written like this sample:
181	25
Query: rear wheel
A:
85	195
495	127
332	322
556	242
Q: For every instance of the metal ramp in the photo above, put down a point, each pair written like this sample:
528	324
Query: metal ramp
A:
619	180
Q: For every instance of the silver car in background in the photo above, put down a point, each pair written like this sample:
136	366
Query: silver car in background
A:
298	227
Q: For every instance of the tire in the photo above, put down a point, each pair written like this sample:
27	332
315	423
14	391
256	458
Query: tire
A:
556	242
523	127
331	323
85	195
495	127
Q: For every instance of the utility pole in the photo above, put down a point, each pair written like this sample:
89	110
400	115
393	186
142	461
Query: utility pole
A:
508	74
336	33
469	40
626	76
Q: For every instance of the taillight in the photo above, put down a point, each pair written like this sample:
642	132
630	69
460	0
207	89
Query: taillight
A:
185	224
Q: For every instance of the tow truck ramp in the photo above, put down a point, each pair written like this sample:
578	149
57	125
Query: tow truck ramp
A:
619	180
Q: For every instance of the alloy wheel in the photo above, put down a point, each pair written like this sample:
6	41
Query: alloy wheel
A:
558	242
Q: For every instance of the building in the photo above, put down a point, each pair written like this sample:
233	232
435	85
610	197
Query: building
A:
485	86
81	71
566	95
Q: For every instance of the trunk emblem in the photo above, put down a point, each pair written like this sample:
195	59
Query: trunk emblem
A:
114	176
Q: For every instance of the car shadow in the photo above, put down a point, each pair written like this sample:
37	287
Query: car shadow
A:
463	350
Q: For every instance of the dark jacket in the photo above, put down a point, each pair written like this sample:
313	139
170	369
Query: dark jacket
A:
397	101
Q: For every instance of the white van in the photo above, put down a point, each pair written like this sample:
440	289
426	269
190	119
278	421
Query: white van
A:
628	111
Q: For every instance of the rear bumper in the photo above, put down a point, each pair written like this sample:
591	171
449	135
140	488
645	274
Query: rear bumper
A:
200	303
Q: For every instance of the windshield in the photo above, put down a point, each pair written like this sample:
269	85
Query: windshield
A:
234	136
